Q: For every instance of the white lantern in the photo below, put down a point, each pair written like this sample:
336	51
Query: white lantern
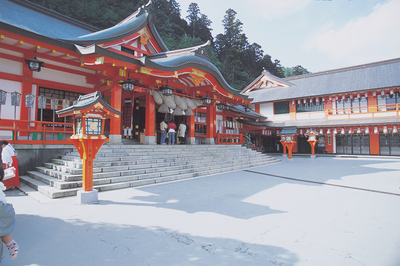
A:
358	130
374	93
367	130
385	129
395	129
382	93
301	131
375	130
321	131
366	95
328	131
358	95
342	132
350	131
335	131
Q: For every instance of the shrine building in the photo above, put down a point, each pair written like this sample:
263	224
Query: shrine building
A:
48	60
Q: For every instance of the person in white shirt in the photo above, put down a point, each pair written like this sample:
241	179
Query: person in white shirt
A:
182	133
9	157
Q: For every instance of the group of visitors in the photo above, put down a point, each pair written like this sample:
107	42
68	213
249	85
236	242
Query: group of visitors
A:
170	131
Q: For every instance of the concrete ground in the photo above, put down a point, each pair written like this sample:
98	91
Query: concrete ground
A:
326	211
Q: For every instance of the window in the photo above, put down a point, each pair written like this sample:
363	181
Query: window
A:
281	108
355	105
128	51
388	101
311	105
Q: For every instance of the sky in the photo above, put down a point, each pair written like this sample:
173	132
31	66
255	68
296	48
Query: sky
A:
319	35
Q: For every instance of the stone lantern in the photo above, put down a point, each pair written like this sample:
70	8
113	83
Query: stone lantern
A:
312	139
89	114
287	140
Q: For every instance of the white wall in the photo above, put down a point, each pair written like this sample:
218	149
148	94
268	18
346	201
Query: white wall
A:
267	109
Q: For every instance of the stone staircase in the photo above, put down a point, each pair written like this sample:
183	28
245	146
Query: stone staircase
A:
122	166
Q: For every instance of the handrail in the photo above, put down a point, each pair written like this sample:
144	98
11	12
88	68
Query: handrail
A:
36	132
364	109
229	139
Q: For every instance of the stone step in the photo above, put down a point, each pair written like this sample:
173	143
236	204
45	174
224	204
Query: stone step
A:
55	188
73	174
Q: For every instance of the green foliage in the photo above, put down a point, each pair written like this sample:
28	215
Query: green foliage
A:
239	61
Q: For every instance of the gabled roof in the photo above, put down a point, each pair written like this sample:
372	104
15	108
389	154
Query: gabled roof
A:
379	75
34	18
266	81
131	25
189	57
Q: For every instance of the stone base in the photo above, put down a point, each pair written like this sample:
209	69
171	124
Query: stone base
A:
149	140
190	140
115	139
290	160
284	155
210	141
88	197
313	156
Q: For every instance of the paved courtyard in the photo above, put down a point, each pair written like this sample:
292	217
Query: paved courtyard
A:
327	211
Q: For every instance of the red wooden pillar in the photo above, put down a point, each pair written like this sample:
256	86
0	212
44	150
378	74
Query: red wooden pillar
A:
115	123
210	124
190	123
150	115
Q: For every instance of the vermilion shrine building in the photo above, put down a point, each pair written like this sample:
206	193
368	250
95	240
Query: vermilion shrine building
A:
355	110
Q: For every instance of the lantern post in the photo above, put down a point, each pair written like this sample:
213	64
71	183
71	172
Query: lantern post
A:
312	139
287	140
89	114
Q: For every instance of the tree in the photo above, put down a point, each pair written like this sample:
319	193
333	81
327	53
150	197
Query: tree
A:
199	24
299	70
230	49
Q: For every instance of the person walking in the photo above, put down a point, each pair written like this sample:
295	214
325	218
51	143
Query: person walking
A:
171	132
182	133
9	158
163	128
7	220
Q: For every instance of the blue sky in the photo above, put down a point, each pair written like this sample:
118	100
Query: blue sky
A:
319	35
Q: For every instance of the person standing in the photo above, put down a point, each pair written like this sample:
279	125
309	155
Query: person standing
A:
171	132
9	158
7	220
182	133
163	128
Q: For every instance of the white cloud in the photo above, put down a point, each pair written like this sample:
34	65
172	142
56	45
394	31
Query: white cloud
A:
363	40
275	9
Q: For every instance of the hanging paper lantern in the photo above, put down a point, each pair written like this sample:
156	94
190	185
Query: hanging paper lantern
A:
301	131
395	129
358	95
350	131
293	102
375	130
298	101
323	99
330	98
321	131
343	97
385	129
366	95
367	130
358	130
328	131
342	132
391	92
374	93
317	100
382	93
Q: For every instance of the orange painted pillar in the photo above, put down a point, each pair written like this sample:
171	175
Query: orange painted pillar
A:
374	147
150	117
116	103
290	146
210	124
190	124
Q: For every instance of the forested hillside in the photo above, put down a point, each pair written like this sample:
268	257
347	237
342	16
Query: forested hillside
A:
239	60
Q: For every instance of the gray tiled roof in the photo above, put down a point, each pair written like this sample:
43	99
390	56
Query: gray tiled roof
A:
117	31
49	23
373	76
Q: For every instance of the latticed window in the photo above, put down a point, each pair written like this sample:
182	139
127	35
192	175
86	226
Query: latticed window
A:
310	105
281	108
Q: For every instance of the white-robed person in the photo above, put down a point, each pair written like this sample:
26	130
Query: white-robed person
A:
182	133
9	158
